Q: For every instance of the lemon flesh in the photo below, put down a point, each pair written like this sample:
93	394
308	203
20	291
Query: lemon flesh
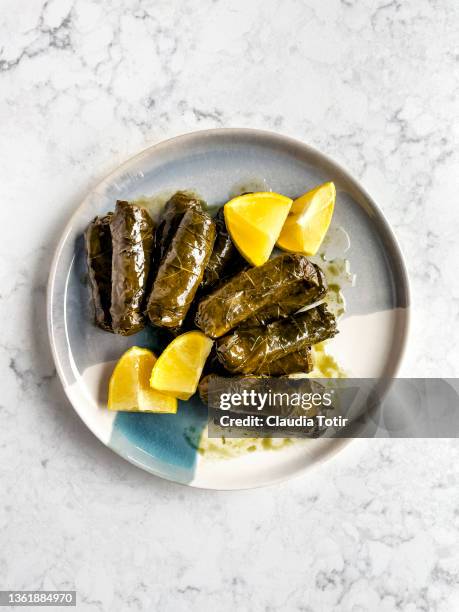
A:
179	367
129	388
254	222
308	221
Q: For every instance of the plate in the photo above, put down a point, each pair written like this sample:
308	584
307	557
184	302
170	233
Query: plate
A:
216	164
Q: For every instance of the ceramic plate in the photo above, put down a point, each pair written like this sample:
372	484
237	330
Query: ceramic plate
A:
216	163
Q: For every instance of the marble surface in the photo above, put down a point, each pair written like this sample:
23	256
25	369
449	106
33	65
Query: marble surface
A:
86	84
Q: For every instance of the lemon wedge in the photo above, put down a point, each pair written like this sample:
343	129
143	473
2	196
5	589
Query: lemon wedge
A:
254	221
308	220
179	367
129	388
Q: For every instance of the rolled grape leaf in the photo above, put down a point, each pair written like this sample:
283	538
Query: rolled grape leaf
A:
225	260
250	350
132	238
181	270
259	289
291	300
225	384
297	362
98	242
213	389
171	216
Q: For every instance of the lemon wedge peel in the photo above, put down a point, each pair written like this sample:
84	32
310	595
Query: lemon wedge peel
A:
129	387
309	219
254	222
179	367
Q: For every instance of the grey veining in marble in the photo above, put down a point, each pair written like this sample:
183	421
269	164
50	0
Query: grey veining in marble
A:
84	85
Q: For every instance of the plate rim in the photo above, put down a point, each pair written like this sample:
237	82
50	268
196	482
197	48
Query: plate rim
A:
255	134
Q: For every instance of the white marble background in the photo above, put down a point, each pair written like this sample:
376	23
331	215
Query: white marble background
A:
86	84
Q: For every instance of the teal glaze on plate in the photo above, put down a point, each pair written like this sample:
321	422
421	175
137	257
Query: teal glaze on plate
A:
168	442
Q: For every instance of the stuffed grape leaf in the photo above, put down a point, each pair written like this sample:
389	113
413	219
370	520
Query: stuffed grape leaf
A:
181	270
98	242
132	239
249	350
259	289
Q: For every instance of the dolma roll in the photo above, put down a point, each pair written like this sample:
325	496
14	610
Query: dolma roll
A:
132	238
225	259
250	350
212	389
171	216
291	300
256	289
98	242
225	384
181	270
297	362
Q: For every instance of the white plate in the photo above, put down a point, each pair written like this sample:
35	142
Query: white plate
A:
215	163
